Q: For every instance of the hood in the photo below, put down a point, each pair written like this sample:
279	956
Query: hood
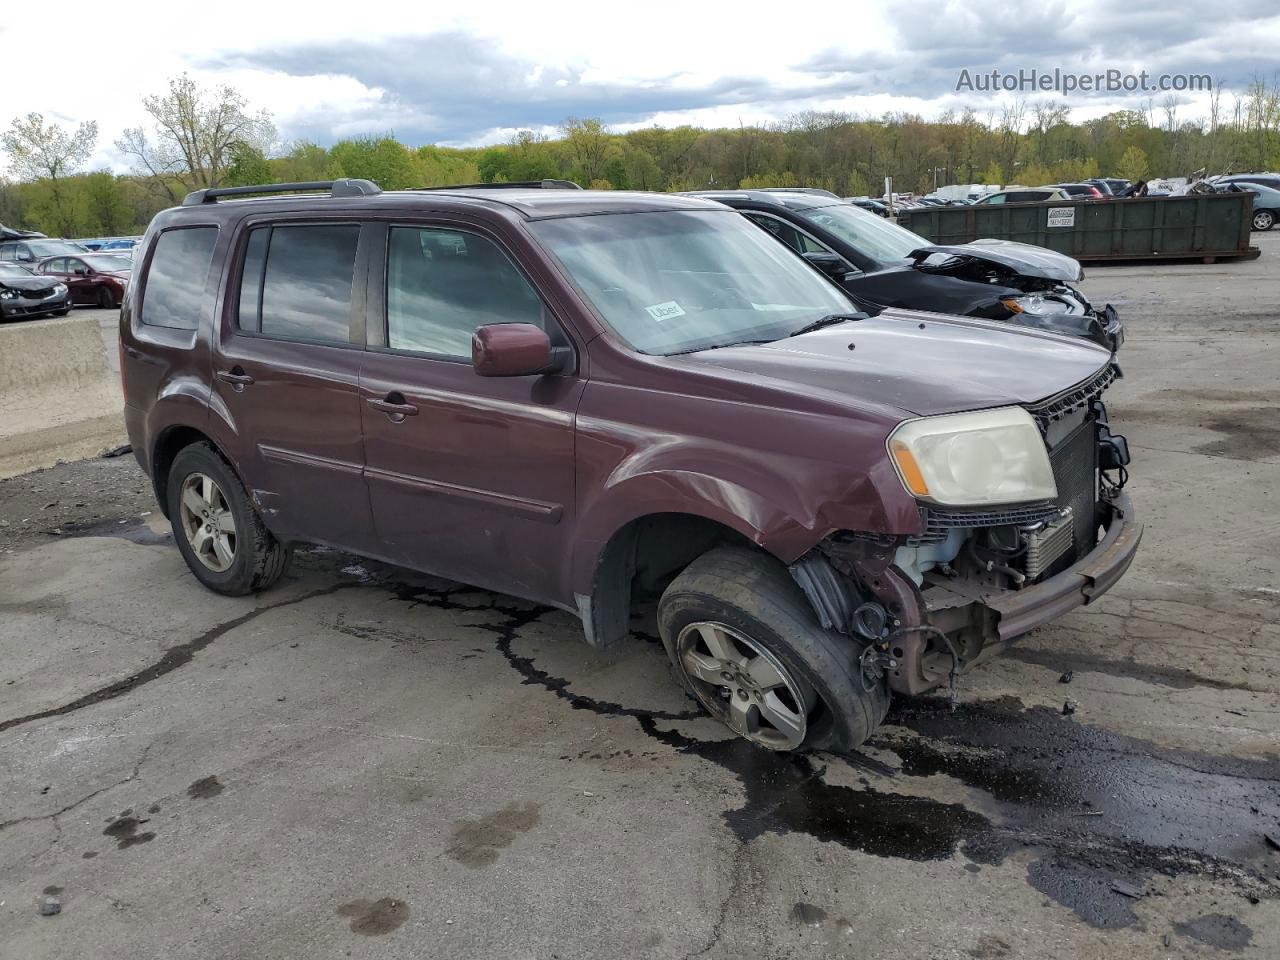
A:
920	363
1025	258
29	283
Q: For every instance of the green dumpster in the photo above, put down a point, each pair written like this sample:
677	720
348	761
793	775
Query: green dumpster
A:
1207	226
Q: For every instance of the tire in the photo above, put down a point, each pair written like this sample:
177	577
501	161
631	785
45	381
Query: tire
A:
250	558
1264	219
105	300
62	313
749	598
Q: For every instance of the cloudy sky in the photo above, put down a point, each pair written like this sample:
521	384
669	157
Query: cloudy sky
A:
466	79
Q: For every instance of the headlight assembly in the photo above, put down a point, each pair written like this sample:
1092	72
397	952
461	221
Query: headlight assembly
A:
7	294
1040	304
973	459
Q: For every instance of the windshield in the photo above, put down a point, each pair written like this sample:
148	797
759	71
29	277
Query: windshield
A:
870	235
13	271
108	263
680	281
54	248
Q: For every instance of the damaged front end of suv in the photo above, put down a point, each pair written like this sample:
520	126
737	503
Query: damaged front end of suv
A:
930	605
1022	284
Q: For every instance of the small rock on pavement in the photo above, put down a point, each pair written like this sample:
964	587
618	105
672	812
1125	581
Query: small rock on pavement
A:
1068	708
1066	677
49	906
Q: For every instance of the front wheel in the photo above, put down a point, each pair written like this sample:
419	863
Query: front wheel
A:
105	300
218	532
1264	219
745	643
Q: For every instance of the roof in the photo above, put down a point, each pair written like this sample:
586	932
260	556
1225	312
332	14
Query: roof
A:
523	203
792	201
538	204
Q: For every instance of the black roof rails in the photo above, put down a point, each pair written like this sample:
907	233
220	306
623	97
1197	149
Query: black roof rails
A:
522	184
336	188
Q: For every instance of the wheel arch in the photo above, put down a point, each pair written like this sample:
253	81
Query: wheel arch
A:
640	558
168	444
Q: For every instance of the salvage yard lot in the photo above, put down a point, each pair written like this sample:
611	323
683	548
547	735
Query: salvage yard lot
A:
364	761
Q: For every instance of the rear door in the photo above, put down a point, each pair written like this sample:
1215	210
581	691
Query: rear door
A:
473	477
286	370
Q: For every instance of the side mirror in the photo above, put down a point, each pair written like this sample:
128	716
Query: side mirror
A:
83	272
515	350
831	264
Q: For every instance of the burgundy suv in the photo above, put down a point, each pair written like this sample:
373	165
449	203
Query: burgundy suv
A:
590	399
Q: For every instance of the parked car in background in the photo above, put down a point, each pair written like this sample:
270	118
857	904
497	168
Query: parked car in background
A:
93	278
30	252
815	191
669	408
869	204
1271	180
10	233
25	296
1266	202
1079	191
120	245
1114	184
1024	195
885	265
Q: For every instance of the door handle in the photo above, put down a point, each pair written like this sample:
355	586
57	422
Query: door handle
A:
394	406
236	377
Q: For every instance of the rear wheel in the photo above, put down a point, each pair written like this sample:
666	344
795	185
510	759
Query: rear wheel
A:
744	641
218	532
1264	219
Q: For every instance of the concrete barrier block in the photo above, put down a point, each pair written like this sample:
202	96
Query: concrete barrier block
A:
59	398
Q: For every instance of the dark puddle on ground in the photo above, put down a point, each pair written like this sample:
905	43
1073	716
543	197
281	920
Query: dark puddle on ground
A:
373	918
1097	808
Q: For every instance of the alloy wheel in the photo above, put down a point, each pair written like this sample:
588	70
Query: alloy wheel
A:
743	685
1263	220
208	522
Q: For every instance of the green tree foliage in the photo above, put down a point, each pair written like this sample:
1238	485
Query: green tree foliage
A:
202	137
47	153
1133	164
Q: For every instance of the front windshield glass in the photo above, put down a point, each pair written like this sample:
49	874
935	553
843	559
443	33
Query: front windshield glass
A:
55	248
108	263
870	235
679	281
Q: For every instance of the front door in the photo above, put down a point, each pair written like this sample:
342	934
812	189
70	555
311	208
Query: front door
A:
471	478
287	372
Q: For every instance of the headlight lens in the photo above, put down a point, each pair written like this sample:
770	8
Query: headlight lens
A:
1039	304
7	294
973	459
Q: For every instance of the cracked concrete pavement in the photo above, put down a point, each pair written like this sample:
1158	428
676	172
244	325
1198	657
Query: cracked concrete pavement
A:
371	763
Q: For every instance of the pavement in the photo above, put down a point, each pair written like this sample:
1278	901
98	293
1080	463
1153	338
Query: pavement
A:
366	762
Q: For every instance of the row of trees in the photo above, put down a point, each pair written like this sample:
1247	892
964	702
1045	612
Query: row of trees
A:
199	137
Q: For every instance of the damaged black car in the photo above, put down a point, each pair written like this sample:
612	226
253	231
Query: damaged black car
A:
884	265
25	296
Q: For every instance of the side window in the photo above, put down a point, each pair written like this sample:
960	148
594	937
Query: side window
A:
76	266
7	251
442	284
173	293
58	265
996	198
306	280
788	234
255	258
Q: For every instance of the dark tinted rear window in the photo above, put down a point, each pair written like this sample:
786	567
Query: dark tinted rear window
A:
174	292
306	290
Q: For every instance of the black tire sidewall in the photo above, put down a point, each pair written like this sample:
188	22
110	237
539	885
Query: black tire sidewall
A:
239	577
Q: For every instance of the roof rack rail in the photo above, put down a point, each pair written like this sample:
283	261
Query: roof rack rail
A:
507	184
336	188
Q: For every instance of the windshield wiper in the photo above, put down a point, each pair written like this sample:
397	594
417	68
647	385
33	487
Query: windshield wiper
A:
717	346
829	320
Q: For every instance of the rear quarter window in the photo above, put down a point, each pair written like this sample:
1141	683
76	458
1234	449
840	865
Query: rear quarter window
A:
173	294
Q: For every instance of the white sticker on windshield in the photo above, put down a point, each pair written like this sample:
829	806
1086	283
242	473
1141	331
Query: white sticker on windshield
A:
665	311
